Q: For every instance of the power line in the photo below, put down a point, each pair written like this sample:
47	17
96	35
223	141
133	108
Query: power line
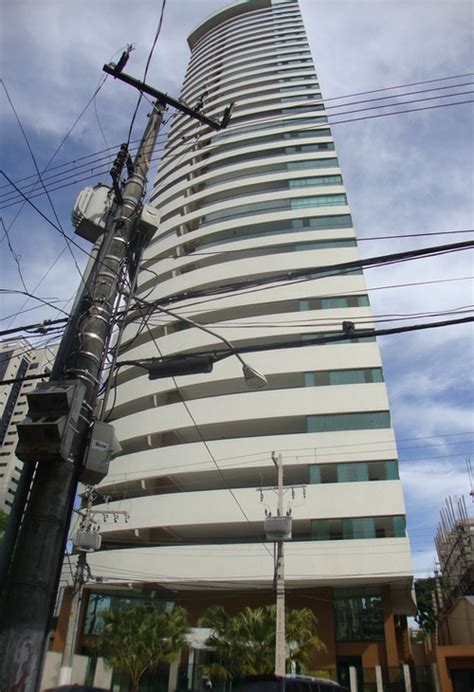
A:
45	325
405	85
12	200
309	274
72	164
39	174
14	254
40	327
306	108
158	31
30	295
204	441
216	145
343	337
108	149
51	223
312	452
364	93
88	163
284	244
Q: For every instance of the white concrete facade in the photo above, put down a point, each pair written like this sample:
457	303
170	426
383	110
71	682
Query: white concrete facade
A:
18	359
257	200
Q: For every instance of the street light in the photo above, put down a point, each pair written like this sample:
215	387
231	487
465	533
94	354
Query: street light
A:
195	363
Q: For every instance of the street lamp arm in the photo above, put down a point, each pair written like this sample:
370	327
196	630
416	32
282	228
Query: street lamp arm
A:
254	379
202	327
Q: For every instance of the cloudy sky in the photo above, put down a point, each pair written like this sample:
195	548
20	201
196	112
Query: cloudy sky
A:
405	175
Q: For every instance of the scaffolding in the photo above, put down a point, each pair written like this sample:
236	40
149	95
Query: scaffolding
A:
454	542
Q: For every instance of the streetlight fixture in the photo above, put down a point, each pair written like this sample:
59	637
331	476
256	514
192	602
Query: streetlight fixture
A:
195	363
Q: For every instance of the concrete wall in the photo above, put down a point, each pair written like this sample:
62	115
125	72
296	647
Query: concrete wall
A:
51	671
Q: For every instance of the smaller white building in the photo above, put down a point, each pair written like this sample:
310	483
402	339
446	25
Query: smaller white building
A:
18	360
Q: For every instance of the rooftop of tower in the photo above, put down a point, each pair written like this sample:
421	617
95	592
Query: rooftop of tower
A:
216	18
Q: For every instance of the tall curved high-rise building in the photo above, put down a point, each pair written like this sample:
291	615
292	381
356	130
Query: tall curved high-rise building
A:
255	226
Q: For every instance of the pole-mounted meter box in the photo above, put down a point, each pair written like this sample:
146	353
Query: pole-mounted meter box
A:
94	206
103	445
47	433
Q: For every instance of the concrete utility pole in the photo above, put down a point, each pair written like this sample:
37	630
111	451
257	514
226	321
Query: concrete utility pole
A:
34	572
85	531
65	673
280	634
66	409
70	643
278	530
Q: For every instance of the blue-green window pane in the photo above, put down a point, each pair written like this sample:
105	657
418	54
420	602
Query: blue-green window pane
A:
346	377
399	527
344	302
339	221
363	527
348	421
336	302
391	470
356	472
309	379
324	222
325	244
320	529
314	473
379	419
305	134
347	529
358	527
377	375
320	335
321	201
304	305
319	180
314	163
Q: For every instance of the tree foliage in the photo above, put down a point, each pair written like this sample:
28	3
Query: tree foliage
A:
244	643
425	615
3	521
139	639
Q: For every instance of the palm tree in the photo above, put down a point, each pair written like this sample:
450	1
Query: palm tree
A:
244	643
139	639
302	640
223	641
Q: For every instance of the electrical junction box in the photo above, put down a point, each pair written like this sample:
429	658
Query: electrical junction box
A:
149	220
47	433
278	528
91	211
102	447
87	541
93	208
